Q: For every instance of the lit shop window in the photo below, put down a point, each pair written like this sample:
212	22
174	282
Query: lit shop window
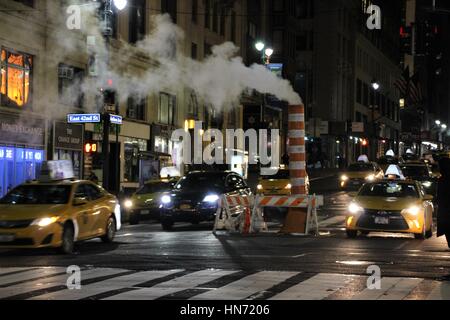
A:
15	78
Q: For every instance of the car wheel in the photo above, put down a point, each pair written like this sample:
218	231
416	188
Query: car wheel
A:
351	233
68	241
134	219
167	225
110	231
429	233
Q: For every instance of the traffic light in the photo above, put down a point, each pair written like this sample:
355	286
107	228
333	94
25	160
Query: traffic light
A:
406	39
90	147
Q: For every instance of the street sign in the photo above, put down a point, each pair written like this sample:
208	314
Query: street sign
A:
84	118
115	119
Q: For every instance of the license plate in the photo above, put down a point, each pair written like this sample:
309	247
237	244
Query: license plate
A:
185	206
144	212
6	237
381	220
355	183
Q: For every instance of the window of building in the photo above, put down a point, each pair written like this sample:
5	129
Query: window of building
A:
70	81
137	20
222	22
15	78
170	7
193	105
358	117
278	5
194	10
233	26
132	148
301	9
166	112
301	41
383	105
207	14
278	41
206	49
194	51
29	3
365	94
215	27
136	108
252	29
358	91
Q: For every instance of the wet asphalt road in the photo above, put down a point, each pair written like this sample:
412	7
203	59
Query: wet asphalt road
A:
194	247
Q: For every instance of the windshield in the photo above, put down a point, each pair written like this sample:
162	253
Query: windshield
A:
155	187
389	189
359	167
281	174
201	182
415	171
34	194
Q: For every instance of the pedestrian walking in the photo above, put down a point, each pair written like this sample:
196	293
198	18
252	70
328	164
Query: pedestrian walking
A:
443	200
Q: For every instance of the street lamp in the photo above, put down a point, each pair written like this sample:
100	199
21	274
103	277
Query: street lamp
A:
266	54
438	122
444	126
107	33
375	86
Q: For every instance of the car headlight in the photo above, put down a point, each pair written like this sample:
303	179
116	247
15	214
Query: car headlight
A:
426	184
344	178
288	186
211	198
370	177
413	210
259	187
354	208
44	222
128	204
166	199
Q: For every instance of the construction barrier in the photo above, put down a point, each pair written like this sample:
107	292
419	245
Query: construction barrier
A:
245	215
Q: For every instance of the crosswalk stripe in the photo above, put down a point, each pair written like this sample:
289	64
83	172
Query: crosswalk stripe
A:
117	283
441	292
30	275
7	271
388	288
332	221
51	282
401	289
247	286
316	288
179	284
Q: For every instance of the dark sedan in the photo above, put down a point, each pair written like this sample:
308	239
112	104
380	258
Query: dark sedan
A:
195	198
422	173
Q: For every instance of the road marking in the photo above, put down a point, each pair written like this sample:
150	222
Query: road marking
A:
169	287
392	288
93	289
441	292
33	274
55	281
316	288
6	271
247	286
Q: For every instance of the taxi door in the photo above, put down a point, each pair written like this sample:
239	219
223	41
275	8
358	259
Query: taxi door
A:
100	210
83	212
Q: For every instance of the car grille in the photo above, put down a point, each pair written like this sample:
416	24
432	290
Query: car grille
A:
396	220
14	224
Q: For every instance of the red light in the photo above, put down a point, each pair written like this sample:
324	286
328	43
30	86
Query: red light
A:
110	82
90	147
402	31
364	142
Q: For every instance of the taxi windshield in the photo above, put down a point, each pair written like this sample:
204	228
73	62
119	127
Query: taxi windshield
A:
281	174
360	167
389	189
38	194
415	171
154	187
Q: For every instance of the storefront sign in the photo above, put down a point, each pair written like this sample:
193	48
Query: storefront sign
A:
68	136
27	131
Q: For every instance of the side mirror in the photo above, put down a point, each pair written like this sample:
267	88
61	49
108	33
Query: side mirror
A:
79	201
353	194
428	197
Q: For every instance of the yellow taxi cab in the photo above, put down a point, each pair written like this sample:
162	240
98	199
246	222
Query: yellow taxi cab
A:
145	202
360	172
277	184
57	214
393	204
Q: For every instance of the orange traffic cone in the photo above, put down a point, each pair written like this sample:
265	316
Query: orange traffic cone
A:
246	228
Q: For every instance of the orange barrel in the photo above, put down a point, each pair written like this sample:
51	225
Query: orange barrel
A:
297	158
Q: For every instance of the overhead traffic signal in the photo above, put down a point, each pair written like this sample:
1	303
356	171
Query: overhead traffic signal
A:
406	39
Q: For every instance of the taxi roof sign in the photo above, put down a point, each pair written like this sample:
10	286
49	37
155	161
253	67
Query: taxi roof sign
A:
390	153
363	158
394	172
56	170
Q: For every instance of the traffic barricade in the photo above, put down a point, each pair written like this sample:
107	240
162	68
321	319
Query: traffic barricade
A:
234	214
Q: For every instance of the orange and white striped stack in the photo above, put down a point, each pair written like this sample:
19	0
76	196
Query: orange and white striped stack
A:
280	201
297	159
